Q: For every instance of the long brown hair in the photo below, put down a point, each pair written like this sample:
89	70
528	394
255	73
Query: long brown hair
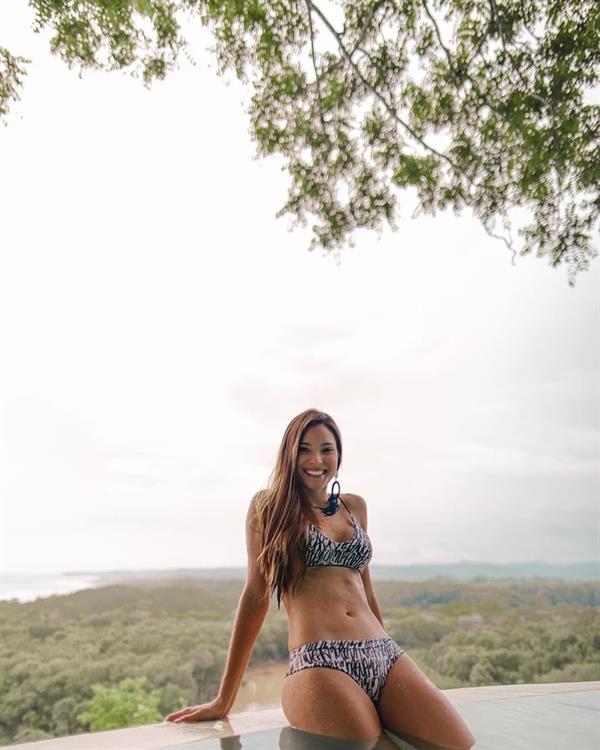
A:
282	511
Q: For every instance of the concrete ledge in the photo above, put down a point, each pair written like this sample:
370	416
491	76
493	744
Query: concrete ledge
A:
155	736
462	696
541	713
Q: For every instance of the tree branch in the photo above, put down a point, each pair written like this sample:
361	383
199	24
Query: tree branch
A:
506	240
525	26
496	16
12	73
365	27
476	88
438	34
387	106
314	62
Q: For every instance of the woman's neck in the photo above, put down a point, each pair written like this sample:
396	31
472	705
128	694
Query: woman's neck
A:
318	497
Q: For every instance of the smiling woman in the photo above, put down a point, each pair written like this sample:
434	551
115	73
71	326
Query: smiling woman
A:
346	677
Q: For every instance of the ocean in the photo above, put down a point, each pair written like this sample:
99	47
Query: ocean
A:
26	587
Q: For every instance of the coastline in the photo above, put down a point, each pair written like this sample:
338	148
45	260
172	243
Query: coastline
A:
27	587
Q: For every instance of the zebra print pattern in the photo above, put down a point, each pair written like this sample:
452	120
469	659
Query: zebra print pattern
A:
367	662
355	552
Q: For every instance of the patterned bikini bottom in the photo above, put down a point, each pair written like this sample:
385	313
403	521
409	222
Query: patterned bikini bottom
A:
367	662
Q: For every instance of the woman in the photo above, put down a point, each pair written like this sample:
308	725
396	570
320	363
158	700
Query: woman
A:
346	677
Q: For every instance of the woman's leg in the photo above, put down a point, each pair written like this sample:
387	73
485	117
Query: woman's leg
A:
329	702
412	707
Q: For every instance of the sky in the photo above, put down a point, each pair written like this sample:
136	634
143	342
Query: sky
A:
159	328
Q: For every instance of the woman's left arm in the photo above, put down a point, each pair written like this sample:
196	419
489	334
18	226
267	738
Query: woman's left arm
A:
360	508
371	598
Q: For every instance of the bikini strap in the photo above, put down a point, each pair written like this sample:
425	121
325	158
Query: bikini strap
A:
348	509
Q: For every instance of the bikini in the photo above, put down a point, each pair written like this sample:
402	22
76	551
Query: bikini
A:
367	662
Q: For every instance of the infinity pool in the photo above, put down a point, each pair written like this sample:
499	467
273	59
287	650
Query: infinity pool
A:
555	721
560	716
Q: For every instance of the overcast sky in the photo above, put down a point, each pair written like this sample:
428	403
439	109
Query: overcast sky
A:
159	327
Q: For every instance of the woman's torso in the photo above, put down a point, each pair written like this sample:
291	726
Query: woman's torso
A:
331	602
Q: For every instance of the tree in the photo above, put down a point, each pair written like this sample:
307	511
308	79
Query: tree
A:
468	104
126	705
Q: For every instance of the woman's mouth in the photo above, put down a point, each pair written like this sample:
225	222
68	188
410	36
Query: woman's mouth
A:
315	473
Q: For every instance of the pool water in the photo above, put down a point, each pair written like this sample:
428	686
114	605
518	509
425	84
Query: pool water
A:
554	721
288	738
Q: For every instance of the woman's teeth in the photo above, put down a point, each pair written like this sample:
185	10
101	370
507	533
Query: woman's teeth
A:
315	473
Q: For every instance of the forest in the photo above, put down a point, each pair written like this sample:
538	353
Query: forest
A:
123	655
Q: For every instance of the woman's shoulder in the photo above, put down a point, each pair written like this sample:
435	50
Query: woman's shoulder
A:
354	501
256	507
259	496
356	505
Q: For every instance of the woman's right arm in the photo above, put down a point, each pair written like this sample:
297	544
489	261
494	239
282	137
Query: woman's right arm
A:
251	612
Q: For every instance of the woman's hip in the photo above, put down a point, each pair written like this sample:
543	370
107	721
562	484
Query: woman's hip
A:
368	662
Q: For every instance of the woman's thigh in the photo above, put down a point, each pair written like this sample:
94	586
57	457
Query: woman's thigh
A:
411	706
328	701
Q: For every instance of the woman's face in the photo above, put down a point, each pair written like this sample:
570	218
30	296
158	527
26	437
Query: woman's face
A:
317	458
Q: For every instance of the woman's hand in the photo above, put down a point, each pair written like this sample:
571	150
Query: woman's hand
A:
203	712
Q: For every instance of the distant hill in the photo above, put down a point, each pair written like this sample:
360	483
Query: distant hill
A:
462	571
469	571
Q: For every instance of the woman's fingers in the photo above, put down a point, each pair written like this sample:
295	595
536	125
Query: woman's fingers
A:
192	716
203	712
180	714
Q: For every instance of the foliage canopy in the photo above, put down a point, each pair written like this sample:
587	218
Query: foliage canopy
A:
126	705
469	104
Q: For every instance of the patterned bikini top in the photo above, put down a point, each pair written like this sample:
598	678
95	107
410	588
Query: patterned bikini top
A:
355	552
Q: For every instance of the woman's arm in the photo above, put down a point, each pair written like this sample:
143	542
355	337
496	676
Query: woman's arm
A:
360	509
251	612
250	615
371	597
